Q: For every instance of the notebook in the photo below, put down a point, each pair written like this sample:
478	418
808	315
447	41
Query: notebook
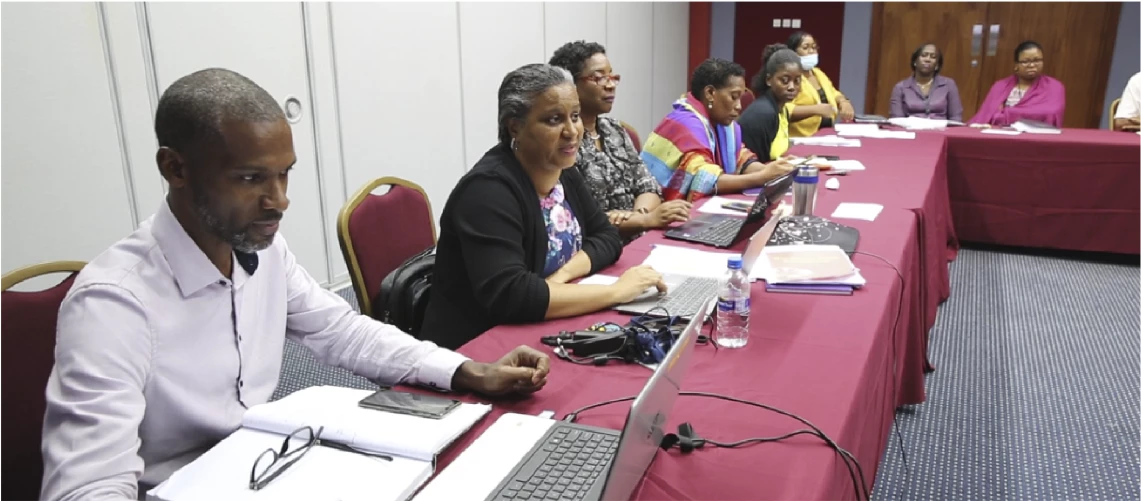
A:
413	442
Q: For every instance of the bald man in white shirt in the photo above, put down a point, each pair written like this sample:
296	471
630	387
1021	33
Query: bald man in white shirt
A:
1128	116
170	335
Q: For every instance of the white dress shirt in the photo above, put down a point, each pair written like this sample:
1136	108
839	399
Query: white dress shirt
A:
1130	105
158	355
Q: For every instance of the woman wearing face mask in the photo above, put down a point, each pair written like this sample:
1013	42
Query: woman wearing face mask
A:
522	223
819	104
607	159
1028	93
927	94
696	150
764	125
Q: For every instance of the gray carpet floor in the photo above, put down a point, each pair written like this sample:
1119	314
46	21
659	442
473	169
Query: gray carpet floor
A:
1035	392
1035	395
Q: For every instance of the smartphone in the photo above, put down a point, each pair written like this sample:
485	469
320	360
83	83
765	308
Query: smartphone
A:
414	404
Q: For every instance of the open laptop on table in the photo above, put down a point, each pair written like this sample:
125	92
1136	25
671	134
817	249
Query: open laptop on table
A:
724	231
572	461
685	295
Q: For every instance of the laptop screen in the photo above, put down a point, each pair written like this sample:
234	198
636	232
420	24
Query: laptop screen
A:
644	429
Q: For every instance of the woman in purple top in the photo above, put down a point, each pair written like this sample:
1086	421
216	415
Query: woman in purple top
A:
927	94
1027	94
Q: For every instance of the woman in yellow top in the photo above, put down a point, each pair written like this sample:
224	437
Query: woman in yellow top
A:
819	103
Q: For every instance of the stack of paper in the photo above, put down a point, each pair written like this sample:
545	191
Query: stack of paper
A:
837	165
813	269
1034	127
671	260
826	141
919	123
871	130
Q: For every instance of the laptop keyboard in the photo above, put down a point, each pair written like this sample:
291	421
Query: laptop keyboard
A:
720	233
686	299
574	459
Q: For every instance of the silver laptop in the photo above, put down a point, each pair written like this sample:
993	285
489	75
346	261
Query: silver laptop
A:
685	295
569	461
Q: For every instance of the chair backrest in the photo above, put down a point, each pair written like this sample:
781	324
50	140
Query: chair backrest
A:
1113	111
379	232
747	98
633	136
29	319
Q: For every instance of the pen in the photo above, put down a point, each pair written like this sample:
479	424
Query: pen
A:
348	448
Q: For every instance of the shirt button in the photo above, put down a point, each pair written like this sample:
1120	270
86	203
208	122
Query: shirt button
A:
241	384
432	385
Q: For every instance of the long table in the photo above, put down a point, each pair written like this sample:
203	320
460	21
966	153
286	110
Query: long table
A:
1077	190
845	363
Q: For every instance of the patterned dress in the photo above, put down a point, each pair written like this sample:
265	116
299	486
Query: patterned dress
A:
615	175
564	234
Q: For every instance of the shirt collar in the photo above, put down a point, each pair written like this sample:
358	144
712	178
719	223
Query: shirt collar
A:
192	270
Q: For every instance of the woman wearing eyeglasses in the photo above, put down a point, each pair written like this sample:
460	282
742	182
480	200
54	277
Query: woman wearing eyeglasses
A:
1027	94
607	158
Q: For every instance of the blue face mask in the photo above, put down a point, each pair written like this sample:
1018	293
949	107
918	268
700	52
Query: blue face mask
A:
808	62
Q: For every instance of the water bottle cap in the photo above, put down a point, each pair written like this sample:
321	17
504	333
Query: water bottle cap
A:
735	262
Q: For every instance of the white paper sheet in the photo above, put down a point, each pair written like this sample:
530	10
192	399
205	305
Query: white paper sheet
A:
826	141
713	205
837	165
1001	132
671	260
763	269
848	210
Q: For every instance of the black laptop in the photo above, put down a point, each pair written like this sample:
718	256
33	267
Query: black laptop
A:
724	231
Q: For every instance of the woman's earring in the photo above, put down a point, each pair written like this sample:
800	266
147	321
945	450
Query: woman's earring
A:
514	147
709	105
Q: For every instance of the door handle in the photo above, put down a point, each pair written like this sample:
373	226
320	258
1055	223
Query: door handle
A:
976	40
992	41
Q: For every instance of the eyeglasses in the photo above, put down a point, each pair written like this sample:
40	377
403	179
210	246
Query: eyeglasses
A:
603	79
293	448
1031	62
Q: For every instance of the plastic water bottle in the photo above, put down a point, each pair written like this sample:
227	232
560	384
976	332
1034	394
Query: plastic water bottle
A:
733	307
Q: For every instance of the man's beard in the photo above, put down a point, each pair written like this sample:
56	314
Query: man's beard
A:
240	240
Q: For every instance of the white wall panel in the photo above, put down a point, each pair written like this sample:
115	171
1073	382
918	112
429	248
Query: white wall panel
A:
322	78
569	21
125	36
671	51
487	54
398	80
265	42
629	46
64	193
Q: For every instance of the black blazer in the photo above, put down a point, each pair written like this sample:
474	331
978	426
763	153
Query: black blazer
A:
760	124
493	248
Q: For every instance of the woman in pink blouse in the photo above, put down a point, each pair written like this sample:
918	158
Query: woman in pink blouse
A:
1027	94
926	93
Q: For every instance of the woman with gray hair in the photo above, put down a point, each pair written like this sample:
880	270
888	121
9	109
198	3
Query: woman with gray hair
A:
522	224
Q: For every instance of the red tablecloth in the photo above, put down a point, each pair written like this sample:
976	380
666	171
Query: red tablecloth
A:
1077	190
828	359
909	175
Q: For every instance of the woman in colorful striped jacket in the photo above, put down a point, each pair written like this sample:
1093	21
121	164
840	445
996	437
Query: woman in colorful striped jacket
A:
696	150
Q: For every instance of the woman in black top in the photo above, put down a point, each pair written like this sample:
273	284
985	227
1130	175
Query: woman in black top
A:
764	124
522	223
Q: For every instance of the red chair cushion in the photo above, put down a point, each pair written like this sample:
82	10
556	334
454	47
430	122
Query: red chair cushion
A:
28	356
388	229
634	137
747	99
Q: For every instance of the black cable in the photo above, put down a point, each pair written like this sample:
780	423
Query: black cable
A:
859	486
894	359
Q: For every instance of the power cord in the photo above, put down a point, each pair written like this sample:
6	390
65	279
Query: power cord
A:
894	359
687	440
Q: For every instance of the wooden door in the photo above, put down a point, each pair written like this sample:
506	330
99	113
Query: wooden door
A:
1077	41
904	26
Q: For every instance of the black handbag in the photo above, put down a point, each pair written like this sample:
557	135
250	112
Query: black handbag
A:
404	293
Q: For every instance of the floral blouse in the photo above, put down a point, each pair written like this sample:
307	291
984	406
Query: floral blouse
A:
615	175
563	231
